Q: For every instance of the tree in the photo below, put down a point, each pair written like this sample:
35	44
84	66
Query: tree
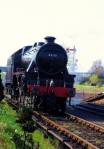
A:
97	68
94	80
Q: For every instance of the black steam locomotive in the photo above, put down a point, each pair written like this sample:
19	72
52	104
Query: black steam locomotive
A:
39	73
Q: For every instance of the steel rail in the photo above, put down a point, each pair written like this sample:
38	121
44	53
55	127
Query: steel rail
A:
91	125
54	126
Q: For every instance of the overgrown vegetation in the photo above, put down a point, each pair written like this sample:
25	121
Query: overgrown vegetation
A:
12	134
8	126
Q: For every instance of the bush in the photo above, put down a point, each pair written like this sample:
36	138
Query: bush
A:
25	114
94	80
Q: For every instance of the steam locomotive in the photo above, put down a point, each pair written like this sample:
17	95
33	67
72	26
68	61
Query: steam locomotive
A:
39	72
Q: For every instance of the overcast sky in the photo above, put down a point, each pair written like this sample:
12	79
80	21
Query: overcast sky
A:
72	22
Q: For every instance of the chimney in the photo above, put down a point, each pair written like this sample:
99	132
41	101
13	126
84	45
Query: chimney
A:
50	39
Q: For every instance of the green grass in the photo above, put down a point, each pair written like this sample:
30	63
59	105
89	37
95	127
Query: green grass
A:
44	143
9	128
89	89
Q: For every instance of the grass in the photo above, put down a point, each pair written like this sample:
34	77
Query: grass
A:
88	89
44	143
9	128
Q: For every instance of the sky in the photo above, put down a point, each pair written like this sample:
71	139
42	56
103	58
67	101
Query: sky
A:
72	22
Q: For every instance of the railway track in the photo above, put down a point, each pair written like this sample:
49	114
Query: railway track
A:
81	121
71	130
97	109
91	108
68	138
88	114
84	129
99	123
94	135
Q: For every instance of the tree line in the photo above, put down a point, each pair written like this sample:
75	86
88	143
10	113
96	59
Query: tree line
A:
96	77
